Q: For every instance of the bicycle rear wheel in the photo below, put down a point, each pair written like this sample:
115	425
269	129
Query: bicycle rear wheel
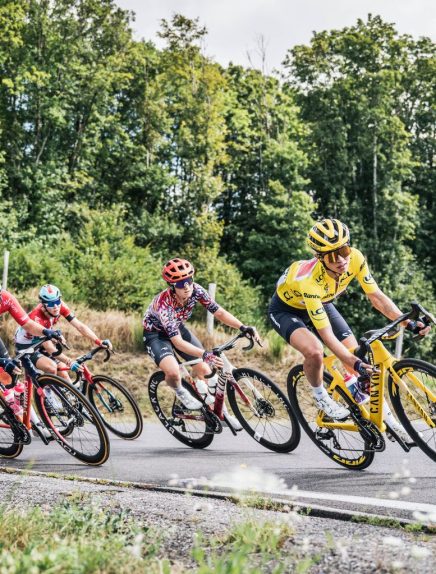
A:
347	448
116	406
189	427
263	410
9	446
64	408
414	401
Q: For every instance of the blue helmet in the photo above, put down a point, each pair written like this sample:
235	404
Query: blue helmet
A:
49	293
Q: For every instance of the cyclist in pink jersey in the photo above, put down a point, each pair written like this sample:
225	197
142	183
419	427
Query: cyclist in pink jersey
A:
165	332
47	313
9	304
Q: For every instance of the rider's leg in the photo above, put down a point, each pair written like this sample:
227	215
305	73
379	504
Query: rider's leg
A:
170	367
46	364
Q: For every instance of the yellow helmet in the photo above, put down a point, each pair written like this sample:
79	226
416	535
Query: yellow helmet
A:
328	235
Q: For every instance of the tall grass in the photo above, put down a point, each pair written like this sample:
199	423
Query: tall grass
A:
71	538
249	547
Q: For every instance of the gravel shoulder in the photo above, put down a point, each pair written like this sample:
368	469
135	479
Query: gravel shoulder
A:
322	546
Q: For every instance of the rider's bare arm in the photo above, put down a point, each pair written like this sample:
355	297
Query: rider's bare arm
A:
227	318
33	328
384	304
388	308
84	330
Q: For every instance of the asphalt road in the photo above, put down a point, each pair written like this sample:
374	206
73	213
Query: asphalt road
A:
240	462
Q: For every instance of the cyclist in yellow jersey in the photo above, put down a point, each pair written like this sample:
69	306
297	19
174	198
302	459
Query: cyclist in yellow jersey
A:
302	309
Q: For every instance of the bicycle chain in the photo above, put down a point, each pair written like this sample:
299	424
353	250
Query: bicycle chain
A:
212	421
369	430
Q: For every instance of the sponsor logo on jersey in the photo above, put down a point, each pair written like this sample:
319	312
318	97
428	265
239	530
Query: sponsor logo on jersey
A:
318	315
368	278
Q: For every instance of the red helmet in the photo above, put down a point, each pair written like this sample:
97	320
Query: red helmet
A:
176	270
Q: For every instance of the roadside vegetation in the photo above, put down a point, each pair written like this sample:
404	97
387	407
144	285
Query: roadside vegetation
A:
80	537
116	155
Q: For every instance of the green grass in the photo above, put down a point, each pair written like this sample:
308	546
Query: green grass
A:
249	547
276	345
76	537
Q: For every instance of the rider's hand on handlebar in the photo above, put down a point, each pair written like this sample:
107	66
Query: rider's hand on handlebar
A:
418	328
364	369
212	360
54	334
251	332
10	366
76	367
106	344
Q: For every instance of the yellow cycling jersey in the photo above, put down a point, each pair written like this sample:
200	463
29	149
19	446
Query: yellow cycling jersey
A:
306	285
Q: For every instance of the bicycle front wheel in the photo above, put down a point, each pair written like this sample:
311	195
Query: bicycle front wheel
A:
189	427
116	406
414	401
9	446
73	421
346	447
263	410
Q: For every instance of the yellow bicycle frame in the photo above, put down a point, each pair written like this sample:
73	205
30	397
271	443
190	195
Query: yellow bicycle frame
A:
373	410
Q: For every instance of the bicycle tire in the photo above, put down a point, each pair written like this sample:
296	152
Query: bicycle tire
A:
116	406
9	446
270	419
301	398
410	413
88	440
164	402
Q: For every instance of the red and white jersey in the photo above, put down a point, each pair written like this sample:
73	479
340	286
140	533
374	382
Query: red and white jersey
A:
9	304
23	337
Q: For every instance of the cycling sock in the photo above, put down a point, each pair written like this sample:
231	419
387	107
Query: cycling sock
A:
319	392
388	416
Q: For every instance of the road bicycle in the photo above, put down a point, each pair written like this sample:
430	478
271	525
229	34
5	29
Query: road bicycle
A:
116	406
65	413
259	405
412	390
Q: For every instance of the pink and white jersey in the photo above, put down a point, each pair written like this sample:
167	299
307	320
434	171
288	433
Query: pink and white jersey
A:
23	337
9	304
166	315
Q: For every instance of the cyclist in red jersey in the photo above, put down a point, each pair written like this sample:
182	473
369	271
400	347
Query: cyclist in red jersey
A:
165	332
9	304
47	313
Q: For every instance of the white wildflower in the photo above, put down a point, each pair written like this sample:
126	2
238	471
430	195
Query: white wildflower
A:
420	552
392	541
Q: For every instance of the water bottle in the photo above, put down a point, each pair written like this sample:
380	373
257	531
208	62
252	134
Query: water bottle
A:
15	405
351	382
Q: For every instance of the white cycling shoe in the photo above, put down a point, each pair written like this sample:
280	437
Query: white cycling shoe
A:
331	408
187	400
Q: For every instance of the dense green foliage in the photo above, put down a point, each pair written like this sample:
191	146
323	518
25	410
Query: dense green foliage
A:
115	155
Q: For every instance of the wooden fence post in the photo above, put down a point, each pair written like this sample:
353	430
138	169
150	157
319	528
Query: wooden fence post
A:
209	317
5	269
399	344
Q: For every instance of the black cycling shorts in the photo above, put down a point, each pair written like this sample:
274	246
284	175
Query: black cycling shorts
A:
286	319
36	355
158	345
